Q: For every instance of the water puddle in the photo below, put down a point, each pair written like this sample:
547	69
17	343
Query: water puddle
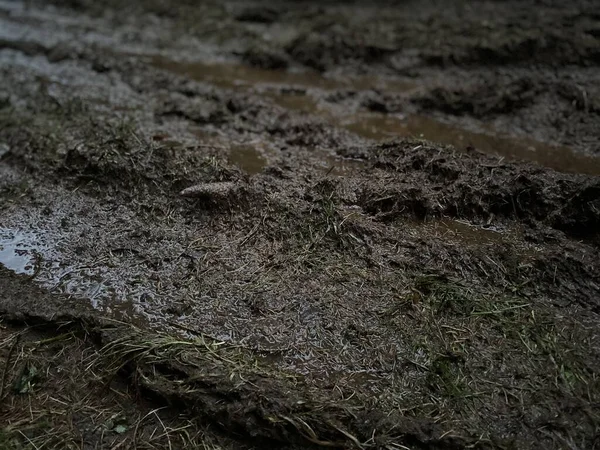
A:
80	281
334	165
19	251
462	234
254	155
382	127
375	126
35	254
237	76
248	158
252	159
296	101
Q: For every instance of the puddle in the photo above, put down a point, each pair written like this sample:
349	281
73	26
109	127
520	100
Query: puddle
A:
374	126
127	311
333	165
253	156
248	158
238	76
18	251
381	127
82	282
296	102
33	254
467	235
252	159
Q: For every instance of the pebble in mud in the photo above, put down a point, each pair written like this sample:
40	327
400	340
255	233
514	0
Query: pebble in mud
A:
217	193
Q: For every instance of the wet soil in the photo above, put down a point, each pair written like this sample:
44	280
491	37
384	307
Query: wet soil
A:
299	225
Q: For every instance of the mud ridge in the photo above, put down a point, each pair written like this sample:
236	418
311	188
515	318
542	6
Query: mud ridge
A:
224	385
480	187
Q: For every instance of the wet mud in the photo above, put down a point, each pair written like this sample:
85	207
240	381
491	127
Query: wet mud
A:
299	225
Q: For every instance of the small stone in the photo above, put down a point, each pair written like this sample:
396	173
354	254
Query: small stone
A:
215	191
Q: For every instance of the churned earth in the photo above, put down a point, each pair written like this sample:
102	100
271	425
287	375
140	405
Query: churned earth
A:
299	225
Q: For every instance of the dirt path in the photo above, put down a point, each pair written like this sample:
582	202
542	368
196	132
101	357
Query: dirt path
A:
245	226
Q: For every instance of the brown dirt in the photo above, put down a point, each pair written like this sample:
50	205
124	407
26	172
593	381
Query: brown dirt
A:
298	225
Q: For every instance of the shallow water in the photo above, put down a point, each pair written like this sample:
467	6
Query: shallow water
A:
36	254
19	251
236	76
371	125
384	127
248	158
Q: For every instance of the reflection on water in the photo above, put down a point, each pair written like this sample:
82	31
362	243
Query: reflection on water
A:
35	254
373	125
382	127
236	76
18	251
248	158
333	165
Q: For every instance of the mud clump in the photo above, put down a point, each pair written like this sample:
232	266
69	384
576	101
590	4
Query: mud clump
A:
481	100
433	184
324	51
263	59
220	194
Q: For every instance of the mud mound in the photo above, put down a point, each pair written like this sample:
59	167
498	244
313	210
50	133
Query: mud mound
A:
481	100
265	59
436	183
258	14
554	49
222	384
322	51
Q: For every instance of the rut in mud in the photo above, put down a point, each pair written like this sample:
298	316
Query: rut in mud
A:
246	226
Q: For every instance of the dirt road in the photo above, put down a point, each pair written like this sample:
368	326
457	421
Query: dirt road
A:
297	225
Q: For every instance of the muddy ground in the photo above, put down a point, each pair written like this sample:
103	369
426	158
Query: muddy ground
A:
299	225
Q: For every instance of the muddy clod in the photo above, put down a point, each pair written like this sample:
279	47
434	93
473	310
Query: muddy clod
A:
217	194
214	191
